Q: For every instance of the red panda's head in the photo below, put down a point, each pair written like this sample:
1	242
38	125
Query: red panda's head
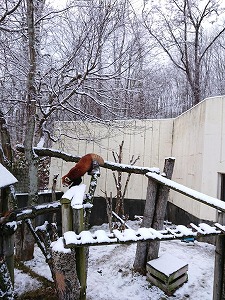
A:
66	181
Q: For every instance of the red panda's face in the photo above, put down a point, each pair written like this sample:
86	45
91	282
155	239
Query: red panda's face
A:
66	181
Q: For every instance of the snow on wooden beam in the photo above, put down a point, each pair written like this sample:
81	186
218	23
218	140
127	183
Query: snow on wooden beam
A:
100	237
75	195
74	158
200	197
30	212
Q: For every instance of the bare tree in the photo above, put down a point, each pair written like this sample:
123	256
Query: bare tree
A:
121	191
179	28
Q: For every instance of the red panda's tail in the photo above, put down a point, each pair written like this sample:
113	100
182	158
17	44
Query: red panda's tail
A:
98	158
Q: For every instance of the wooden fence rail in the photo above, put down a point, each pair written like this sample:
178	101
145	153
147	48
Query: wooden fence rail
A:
100	237
200	197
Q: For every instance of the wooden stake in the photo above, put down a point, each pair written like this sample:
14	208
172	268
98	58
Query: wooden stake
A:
67	215
219	265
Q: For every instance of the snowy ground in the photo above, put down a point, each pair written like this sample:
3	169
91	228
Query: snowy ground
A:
110	274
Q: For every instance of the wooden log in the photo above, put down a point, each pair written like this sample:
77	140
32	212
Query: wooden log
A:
64	272
7	233
154	214
90	195
160	208
219	265
141	250
30	212
198	196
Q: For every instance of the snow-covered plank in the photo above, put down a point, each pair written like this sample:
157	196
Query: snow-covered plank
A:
149	233
100	237
87	237
207	229
220	227
126	235
71	238
6	178
103	237
208	200
176	233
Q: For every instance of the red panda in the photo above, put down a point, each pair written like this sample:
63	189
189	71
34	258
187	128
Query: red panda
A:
73	177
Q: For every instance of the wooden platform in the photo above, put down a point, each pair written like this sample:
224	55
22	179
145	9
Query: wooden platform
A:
100	237
167	272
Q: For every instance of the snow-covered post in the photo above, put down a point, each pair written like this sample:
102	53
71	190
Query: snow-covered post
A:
219	265
90	195
65	271
81	223
78	226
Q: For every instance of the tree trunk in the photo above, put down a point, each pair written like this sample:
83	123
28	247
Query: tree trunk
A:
64	270
25	251
6	288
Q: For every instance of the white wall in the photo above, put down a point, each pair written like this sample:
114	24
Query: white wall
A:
199	148
149	139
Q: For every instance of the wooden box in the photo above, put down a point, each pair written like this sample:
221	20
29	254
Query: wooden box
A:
167	272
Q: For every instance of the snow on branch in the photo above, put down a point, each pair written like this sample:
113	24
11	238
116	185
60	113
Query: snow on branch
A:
30	212
75	158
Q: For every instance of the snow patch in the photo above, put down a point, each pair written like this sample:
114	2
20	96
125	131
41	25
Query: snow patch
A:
6	178
58	246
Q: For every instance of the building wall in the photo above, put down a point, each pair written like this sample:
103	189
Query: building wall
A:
196	139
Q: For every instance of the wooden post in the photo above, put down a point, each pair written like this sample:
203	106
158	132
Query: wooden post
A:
141	251
67	215
154	214
81	252
64	262
160	208
219	265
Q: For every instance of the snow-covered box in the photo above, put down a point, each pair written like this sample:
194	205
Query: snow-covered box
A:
167	272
